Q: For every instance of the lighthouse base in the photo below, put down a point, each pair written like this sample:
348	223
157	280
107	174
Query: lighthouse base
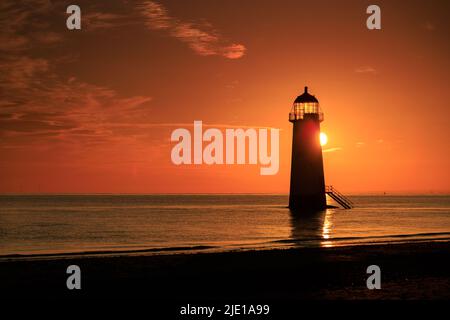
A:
307	203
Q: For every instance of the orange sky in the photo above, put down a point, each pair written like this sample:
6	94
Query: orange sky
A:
92	110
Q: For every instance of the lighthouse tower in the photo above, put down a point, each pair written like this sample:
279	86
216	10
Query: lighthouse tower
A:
307	190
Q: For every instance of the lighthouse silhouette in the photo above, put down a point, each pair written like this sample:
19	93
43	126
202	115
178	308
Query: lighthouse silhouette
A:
307	189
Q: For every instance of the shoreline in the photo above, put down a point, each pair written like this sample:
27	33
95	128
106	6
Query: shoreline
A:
409	271
280	244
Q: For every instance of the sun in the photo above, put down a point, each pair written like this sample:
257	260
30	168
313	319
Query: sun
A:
323	138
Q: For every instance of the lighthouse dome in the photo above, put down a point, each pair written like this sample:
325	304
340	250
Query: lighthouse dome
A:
305	97
305	105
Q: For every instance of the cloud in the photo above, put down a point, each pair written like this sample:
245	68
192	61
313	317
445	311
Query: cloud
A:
157	16
48	37
94	21
23	25
70	111
332	149
202	38
234	51
366	69
360	144
41	107
37	103
205	125
22	28
12	43
21	72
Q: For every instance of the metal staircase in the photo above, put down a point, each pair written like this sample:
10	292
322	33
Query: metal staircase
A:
339	197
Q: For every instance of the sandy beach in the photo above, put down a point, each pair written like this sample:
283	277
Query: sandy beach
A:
408	271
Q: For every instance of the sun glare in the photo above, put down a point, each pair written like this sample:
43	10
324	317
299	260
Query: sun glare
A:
323	138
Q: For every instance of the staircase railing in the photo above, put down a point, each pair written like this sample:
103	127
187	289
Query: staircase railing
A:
339	197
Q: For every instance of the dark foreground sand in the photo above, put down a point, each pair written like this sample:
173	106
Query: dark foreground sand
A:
409	271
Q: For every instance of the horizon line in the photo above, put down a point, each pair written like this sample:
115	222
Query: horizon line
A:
370	193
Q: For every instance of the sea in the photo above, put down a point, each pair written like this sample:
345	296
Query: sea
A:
65	225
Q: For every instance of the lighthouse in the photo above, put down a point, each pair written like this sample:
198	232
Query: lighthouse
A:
307	189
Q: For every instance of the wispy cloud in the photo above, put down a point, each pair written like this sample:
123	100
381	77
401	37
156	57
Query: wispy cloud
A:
39	104
21	72
200	37
205	125
23	25
71	111
366	69
332	149
93	21
157	15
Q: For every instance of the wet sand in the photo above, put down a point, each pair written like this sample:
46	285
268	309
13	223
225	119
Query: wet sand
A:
408	271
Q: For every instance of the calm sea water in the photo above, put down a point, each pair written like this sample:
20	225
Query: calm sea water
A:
158	223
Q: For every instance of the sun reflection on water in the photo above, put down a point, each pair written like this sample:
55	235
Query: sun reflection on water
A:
327	229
